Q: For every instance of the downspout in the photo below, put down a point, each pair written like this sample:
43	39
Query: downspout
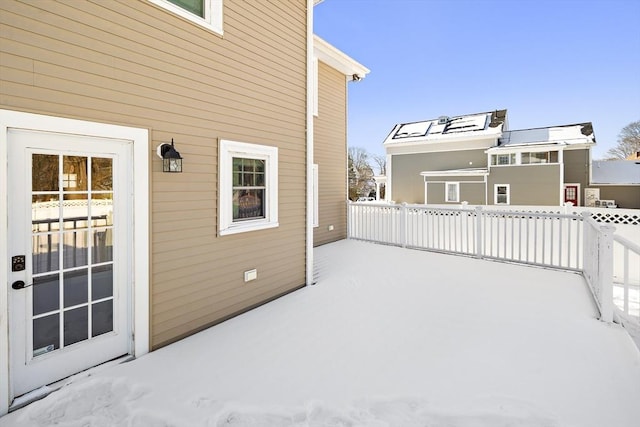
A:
561	161
309	177
387	186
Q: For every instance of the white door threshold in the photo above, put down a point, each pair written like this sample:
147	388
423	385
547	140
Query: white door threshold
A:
44	391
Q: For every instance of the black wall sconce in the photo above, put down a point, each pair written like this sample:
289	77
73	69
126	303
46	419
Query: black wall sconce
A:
171	159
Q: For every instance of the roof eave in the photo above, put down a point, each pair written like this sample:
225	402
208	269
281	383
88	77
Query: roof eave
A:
447	138
339	60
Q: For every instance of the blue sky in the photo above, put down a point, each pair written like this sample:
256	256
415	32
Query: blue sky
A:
547	62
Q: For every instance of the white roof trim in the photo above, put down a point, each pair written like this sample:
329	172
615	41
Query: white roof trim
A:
457	172
338	59
526	148
451	137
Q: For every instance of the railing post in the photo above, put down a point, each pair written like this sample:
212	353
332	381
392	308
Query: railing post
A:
605	271
404	224
479	251
349	219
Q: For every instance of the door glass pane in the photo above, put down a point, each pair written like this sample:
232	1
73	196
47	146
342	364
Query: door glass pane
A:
76	287
101	318
74	173
76	322
45	213
72	228
46	294
101	282
75	249
75	211
46	334
44	172
102	209
101	174
102	246
45	255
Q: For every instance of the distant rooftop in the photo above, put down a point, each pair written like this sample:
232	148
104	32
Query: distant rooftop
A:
565	134
615	172
488	122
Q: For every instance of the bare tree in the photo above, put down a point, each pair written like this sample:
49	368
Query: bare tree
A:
360	173
381	163
628	142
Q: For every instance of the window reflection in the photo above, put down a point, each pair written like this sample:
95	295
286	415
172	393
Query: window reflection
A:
44	175
101	174
74	173
72	231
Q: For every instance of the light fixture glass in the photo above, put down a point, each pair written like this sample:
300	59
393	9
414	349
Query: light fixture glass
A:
171	159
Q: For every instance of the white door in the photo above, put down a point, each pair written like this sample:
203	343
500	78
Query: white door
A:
70	244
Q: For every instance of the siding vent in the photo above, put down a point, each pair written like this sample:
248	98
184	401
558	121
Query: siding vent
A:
250	275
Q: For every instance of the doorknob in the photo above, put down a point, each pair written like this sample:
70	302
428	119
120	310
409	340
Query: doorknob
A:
19	284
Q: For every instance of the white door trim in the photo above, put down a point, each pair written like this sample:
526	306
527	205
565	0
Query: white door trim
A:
569	184
140	137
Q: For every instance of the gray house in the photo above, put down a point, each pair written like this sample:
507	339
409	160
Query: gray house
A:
475	158
615	182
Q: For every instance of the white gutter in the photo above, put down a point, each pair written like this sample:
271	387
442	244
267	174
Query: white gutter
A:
309	175
457	172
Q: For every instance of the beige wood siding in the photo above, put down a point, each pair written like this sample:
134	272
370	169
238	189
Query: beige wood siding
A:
528	185
330	154
576	168
407	183
133	63
626	196
472	190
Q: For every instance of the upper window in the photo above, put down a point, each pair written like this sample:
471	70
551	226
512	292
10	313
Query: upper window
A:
528	158
248	187
503	159
541	157
207	13
452	192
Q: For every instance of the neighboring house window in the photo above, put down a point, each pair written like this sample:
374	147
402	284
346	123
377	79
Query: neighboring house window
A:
69	180
452	192
207	13
501	194
529	158
503	159
248	187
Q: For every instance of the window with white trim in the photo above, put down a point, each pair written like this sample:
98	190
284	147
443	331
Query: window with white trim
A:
207	13
248	187
501	194
503	159
452	192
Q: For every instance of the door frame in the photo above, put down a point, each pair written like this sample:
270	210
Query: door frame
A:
570	184
140	292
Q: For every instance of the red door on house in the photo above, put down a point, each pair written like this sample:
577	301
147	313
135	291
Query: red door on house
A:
571	194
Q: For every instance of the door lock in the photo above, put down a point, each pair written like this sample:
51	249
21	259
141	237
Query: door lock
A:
18	263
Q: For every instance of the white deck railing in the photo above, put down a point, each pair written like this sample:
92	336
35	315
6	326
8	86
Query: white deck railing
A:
626	286
598	264
568	241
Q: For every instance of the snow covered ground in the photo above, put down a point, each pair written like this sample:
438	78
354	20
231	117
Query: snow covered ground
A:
387	337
